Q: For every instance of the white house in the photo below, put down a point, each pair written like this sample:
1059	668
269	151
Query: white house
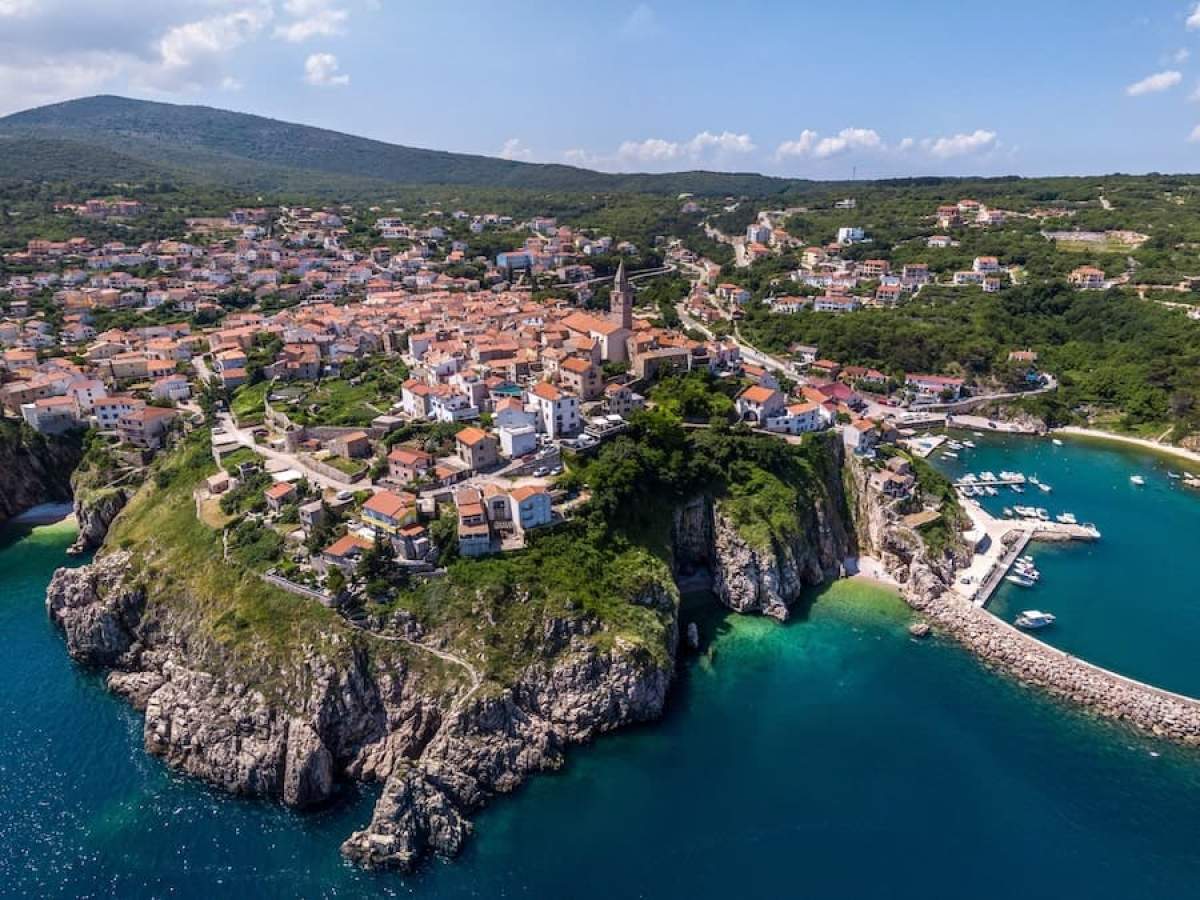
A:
557	412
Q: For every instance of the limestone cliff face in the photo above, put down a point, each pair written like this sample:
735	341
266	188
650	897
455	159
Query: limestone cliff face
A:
767	580
34	469
94	513
356	708
495	741
881	533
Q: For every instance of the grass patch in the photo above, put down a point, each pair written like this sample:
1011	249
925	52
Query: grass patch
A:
249	403
243	627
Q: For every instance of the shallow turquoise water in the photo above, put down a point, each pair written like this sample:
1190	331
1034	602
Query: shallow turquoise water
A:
1130	601
833	756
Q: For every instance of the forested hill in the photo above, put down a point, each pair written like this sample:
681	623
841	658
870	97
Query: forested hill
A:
201	143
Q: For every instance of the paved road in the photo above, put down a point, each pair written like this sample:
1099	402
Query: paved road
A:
290	460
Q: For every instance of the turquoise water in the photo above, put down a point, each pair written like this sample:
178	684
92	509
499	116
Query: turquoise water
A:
834	756
1128	602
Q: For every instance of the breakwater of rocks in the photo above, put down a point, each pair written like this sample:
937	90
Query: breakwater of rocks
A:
1156	712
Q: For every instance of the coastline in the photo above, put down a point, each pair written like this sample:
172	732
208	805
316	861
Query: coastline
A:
1144	443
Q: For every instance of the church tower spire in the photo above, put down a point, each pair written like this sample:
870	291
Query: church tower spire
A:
621	299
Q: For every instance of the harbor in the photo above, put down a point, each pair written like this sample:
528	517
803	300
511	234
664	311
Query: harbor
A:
1000	543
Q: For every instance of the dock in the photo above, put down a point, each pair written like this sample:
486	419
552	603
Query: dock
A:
993	482
1003	541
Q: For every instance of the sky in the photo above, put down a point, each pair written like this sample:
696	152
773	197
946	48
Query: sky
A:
873	89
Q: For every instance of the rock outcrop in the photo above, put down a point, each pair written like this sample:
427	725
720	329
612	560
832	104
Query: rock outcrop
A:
496	741
358	707
768	579
94	513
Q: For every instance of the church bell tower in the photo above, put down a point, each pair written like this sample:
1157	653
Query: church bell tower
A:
620	303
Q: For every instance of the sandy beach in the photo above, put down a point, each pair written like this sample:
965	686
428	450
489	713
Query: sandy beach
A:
869	568
1154	446
45	514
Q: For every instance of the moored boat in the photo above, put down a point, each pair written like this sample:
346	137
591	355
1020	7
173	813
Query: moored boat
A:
1137	480
1021	580
1033	619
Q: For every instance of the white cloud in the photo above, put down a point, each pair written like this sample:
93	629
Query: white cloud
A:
229	83
190	54
960	144
1152	84
321	69
801	146
16	8
1193	21
848	139
642	22
311	18
704	145
513	148
1194	137
649	150
810	143
725	142
1181	55
906	144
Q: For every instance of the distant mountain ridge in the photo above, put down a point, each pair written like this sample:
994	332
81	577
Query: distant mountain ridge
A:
206	144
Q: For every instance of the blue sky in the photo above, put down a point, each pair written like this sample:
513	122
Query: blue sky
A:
791	88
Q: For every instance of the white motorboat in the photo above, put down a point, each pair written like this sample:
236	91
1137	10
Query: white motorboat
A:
1017	489
950	454
1137	480
1044	488
1019	579
1066	519
1056	442
969	444
1033	619
1175	476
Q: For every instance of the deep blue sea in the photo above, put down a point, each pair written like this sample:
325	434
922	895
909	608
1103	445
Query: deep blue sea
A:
831	757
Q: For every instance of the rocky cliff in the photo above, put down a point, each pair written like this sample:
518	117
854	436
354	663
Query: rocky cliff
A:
923	575
94	513
765	572
34	468
354	705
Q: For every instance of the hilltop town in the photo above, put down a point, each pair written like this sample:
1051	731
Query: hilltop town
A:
390	386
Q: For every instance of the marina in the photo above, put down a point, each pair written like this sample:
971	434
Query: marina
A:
1116	599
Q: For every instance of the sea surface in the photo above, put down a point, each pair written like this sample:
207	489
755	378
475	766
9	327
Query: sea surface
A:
831	757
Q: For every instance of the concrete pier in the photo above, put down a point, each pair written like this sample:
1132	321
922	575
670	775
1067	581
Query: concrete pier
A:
1001	542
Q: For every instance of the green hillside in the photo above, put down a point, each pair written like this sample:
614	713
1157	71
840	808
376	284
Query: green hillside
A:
136	139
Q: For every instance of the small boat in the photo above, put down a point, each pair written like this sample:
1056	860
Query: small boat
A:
1019	579
1033	479
1017	489
1007	513
1174	475
1056	442
1137	480
1041	513
949	454
1066	519
1034	619
987	476
977	433
1044	488
1027	559
969	444
1025	511
990	491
